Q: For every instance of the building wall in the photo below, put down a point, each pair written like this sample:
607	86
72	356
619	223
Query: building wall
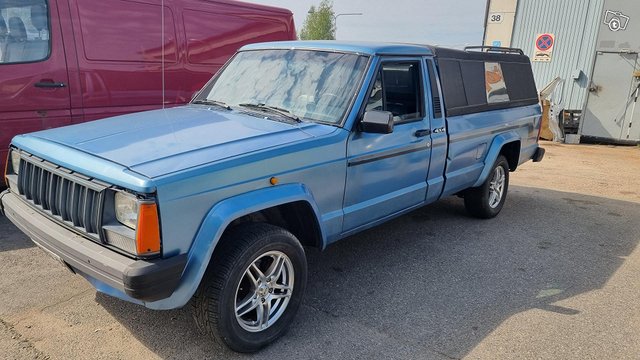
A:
575	24
499	22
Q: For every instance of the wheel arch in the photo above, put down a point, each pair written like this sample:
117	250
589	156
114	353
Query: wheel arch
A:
259	203
511	151
298	217
507	144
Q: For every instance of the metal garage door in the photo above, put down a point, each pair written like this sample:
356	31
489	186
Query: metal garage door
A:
613	94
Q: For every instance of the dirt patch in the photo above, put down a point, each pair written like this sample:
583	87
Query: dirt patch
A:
600	170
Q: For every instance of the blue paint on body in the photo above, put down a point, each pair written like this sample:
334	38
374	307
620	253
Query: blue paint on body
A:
208	166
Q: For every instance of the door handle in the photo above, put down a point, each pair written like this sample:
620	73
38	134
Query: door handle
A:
49	84
422	133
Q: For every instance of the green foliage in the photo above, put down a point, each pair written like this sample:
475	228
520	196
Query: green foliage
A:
319	24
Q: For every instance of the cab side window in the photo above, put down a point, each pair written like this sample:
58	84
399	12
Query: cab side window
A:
398	89
24	31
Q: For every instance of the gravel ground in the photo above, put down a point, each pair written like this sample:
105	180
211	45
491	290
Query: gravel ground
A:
554	276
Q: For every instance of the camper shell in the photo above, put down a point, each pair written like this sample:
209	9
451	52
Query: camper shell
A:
464	80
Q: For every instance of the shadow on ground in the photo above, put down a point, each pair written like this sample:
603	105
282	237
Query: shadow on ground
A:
10	239
432	283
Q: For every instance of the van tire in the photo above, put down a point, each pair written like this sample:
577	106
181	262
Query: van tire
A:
482	201
229	276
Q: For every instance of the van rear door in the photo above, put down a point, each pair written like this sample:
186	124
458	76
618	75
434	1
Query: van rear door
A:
34	91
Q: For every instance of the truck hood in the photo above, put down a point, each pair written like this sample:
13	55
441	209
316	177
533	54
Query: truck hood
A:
160	142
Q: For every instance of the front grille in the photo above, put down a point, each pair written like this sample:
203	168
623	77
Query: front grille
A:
69	197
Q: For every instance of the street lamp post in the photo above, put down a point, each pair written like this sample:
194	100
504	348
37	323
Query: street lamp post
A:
335	20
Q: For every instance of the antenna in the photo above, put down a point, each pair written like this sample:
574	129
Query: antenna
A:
162	39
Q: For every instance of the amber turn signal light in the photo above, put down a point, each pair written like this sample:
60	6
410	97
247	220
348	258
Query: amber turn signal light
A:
148	230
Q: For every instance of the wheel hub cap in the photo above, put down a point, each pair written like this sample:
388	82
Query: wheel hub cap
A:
264	291
496	187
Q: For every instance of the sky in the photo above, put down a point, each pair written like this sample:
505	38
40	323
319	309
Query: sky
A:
453	23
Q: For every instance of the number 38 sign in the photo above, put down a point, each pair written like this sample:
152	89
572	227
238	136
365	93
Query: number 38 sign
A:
496	18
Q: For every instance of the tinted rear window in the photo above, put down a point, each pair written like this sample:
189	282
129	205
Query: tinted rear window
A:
473	77
519	80
452	87
471	86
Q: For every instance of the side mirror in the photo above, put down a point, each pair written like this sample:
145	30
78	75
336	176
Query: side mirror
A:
379	122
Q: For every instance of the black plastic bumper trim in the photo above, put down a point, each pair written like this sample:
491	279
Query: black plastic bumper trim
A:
154	280
538	155
2	194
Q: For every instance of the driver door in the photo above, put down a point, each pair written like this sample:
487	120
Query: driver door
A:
387	173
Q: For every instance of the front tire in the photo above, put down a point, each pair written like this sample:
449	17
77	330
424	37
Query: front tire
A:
486	200
253	287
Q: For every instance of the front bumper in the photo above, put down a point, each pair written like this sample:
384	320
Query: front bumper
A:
145	280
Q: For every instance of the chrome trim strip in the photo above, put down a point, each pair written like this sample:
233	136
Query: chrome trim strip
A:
363	159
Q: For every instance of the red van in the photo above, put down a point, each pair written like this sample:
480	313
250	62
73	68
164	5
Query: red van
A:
68	61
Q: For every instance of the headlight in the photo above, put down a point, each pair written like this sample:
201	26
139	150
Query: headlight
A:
140	234
15	162
126	209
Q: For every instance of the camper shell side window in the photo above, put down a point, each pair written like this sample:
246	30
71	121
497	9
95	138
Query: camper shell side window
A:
479	81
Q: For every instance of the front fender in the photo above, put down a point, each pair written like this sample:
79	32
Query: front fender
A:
213	226
496	146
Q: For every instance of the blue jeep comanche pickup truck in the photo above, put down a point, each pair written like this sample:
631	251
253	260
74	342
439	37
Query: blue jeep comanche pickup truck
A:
291	144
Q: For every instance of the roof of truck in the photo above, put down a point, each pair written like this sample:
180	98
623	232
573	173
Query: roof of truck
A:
382	48
369	48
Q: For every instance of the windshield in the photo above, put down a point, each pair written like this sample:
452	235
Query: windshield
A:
310	85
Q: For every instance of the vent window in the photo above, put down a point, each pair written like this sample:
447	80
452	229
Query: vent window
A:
435	94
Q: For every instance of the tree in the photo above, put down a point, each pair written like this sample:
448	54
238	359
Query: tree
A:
319	23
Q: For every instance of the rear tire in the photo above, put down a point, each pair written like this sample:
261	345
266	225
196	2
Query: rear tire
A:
486	200
252	288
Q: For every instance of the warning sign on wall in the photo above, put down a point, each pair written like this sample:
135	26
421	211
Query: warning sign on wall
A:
543	47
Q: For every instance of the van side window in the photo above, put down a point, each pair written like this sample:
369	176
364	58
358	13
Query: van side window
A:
24	31
398	89
143	24
210	42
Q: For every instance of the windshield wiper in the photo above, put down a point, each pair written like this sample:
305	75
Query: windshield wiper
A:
212	102
273	109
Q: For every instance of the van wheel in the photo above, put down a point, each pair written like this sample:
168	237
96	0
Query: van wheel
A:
252	288
486	200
